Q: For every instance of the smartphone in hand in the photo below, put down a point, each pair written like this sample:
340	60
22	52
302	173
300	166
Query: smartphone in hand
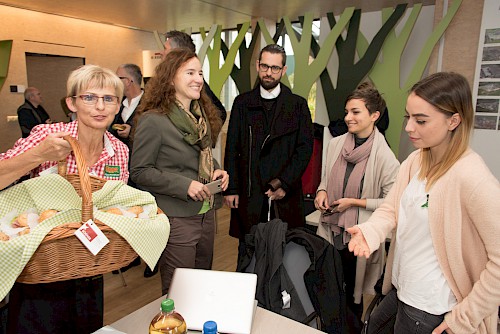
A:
331	210
215	186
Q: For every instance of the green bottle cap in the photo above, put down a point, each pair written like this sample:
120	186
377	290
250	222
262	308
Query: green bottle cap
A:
167	305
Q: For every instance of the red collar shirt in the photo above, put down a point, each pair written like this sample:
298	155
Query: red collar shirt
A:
111	165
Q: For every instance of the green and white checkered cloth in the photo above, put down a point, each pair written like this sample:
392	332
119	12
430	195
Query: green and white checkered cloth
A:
148	237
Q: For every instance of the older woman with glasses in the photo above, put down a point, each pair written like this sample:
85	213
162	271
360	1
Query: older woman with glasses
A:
73	306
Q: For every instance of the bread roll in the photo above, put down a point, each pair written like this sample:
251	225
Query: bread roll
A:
136	210
46	215
4	237
118	127
22	220
115	211
25	231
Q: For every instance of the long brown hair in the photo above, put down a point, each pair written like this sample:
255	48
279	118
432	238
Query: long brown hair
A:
159	93
449	93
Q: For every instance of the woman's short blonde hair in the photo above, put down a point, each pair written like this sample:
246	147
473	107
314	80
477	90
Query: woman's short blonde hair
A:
93	76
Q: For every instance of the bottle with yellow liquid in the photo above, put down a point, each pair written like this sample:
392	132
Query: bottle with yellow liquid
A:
168	321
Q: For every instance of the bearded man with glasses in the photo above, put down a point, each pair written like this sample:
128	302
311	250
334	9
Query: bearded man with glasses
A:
269	144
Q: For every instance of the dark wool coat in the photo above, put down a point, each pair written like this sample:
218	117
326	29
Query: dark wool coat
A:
255	156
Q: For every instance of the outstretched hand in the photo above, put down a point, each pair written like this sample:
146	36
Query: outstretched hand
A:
358	244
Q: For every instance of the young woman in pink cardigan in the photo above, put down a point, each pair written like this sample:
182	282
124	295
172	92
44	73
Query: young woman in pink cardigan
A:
444	261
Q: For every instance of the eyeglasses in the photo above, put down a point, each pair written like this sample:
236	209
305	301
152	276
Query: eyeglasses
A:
274	69
91	99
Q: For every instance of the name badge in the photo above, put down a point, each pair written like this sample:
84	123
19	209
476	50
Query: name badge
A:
91	237
111	171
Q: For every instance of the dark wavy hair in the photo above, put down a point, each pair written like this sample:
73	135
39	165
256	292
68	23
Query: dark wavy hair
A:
159	93
370	96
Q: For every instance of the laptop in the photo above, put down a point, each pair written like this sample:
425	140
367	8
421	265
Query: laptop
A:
224	297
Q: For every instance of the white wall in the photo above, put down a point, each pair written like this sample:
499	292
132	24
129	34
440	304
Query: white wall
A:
100	44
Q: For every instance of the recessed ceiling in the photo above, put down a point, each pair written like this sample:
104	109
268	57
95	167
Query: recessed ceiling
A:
164	15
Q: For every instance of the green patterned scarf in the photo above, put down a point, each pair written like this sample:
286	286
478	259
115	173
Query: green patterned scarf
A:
196	131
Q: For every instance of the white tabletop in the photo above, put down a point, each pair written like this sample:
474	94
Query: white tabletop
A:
264	322
313	218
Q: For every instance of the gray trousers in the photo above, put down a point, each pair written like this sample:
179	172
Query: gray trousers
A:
190	245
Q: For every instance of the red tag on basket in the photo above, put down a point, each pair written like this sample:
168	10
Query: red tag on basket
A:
92	237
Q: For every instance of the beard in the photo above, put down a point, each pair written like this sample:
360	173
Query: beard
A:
269	84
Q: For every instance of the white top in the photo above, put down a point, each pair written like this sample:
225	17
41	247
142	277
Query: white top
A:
416	275
272	94
128	109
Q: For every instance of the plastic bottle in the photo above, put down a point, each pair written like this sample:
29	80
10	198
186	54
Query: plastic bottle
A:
210	327
168	321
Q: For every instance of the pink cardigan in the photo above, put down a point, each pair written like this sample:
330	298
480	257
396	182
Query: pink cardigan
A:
464	218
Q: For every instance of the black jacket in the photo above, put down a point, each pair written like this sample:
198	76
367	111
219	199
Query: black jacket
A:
324	278
29	116
216	101
255	156
130	121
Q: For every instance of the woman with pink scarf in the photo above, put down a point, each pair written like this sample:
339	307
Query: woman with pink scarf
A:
360	170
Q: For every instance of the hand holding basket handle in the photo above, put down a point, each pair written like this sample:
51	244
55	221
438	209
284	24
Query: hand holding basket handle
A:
61	256
82	184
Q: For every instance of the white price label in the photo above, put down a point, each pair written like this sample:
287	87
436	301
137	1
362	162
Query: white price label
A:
92	237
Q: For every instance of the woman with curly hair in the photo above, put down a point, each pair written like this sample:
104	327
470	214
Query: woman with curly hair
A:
177	127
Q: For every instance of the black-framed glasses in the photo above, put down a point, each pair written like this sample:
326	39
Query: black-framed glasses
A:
274	69
91	99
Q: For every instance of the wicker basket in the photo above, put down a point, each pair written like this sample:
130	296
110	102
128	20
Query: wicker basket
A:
61	256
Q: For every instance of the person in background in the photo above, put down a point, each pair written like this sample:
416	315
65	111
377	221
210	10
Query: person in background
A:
122	125
269	144
131	76
72	306
177	39
31	113
444	260
177	127
360	171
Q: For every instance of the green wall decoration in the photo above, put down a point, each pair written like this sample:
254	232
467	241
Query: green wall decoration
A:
273	40
378	59
350	74
307	71
242	75
219	75
207	39
5	51
386	74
